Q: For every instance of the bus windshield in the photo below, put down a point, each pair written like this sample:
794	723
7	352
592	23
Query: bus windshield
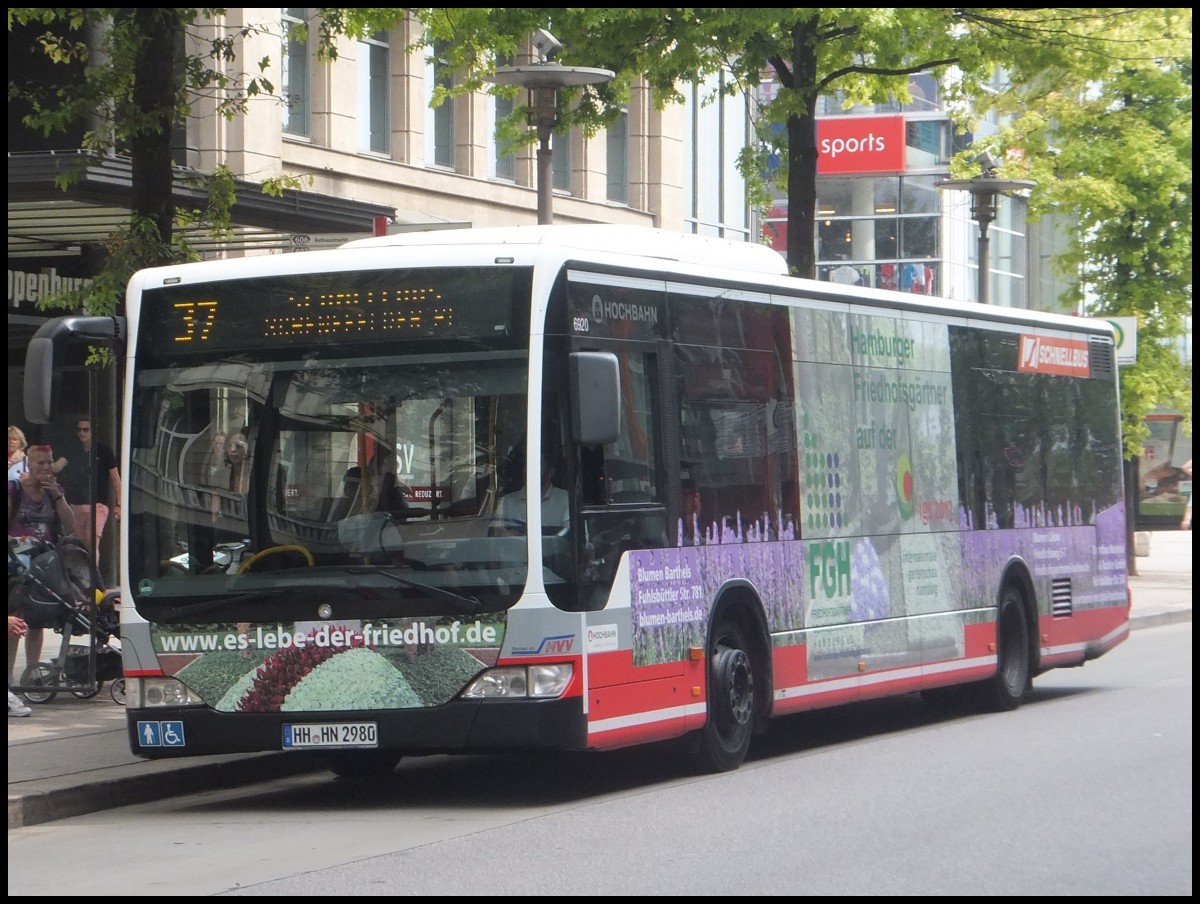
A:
360	473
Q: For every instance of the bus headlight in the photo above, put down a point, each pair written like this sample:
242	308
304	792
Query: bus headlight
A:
147	693
521	681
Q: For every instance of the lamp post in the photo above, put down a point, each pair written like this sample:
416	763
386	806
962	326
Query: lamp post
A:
984	189
544	80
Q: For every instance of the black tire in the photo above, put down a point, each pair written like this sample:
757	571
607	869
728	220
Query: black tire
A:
87	694
117	691
725	739
1007	689
361	764
40	674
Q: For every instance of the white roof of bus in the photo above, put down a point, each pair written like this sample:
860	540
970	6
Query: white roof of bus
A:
765	269
638	241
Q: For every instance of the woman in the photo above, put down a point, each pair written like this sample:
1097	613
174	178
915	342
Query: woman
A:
237	455
213	470
236	480
17	465
37	509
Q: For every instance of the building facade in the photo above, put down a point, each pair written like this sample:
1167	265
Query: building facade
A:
882	220
368	153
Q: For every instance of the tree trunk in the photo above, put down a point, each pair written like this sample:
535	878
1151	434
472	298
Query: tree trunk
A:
802	155
156	90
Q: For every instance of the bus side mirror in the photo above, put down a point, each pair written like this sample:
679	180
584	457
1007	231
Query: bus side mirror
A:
41	381
595	398
41	375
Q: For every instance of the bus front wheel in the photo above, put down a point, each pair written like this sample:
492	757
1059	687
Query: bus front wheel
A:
1006	690
725	738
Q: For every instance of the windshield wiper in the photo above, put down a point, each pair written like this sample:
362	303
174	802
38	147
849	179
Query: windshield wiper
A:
175	613
467	604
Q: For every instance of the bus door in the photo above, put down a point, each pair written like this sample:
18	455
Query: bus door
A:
622	499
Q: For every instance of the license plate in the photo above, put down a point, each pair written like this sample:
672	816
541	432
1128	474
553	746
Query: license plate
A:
311	735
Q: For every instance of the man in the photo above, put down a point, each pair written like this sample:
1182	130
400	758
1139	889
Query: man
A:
556	507
76	482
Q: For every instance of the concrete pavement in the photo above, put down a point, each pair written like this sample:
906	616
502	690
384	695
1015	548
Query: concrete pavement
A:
72	756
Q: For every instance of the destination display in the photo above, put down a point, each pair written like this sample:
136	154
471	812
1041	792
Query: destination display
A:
298	310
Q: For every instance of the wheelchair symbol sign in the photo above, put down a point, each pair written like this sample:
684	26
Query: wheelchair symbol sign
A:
160	734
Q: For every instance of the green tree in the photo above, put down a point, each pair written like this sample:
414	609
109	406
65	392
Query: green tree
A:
1114	154
1101	99
865	56
130	79
1111	88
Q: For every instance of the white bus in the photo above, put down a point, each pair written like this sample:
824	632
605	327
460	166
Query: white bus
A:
754	495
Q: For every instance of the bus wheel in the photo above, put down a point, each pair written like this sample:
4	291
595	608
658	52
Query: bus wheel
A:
1006	689
362	763
725	739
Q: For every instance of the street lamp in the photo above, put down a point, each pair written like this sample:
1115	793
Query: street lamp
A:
544	80
984	188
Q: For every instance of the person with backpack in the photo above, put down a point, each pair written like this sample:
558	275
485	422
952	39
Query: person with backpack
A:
37	509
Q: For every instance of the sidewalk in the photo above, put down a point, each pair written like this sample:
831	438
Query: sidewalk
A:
72	756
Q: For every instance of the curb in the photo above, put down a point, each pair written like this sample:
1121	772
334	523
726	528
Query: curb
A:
1158	619
35	807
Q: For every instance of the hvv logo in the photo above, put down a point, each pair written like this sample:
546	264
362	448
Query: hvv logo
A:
550	646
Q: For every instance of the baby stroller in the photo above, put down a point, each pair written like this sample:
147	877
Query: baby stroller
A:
55	590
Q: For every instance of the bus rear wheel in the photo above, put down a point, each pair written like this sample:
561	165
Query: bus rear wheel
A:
725	738
362	763
1007	689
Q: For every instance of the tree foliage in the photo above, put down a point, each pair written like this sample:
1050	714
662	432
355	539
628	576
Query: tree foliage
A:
1101	99
1107	138
1112	151
135	83
863	55
1101	96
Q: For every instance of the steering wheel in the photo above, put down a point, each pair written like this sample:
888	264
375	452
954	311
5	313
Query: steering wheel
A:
274	551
